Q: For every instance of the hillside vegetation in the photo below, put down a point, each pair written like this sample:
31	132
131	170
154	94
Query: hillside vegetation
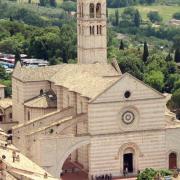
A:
148	50
166	12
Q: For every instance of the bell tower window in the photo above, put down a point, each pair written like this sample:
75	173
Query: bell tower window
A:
98	10
91	30
91	10
99	29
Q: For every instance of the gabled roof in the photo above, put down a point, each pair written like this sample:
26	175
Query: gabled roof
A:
28	74
86	79
160	95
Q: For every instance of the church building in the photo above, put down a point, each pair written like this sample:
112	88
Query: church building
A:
89	113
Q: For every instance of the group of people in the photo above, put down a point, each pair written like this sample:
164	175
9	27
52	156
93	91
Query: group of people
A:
102	177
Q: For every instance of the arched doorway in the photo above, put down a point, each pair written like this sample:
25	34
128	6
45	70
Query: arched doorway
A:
172	160
129	154
128	160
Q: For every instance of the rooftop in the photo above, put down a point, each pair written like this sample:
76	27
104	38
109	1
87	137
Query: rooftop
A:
87	79
46	100
2	86
24	166
5	103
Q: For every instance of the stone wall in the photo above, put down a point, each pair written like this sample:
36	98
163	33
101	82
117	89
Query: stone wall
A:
22	92
20	132
37	112
106	151
173	144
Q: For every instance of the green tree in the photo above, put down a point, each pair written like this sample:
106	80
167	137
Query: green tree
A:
177	55
137	19
2	73
155	79
68	42
147	174
53	3
12	44
154	16
121	45
68	6
116	17
129	61
176	15
43	2
176	99
169	57
145	52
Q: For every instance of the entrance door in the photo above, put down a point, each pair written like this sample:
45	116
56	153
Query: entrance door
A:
172	161
128	162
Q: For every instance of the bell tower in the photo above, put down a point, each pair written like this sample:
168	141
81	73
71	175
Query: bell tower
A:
92	33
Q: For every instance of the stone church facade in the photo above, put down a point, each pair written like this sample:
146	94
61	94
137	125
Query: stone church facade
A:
90	112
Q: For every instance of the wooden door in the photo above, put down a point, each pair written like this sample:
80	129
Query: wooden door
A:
172	161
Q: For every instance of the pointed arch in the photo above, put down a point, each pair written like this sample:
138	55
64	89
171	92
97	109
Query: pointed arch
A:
91	28
91	10
172	160
129	148
98	10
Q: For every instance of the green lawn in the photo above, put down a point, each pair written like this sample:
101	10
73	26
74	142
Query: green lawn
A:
59	1
165	11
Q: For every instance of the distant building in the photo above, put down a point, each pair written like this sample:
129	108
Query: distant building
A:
6	119
34	62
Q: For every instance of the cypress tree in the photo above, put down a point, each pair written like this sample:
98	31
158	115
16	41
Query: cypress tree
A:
177	55
17	57
146	52
121	45
137	19
117	17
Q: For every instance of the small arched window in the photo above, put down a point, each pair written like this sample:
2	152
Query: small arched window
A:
91	30
91	10
41	92
100	29
98	10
